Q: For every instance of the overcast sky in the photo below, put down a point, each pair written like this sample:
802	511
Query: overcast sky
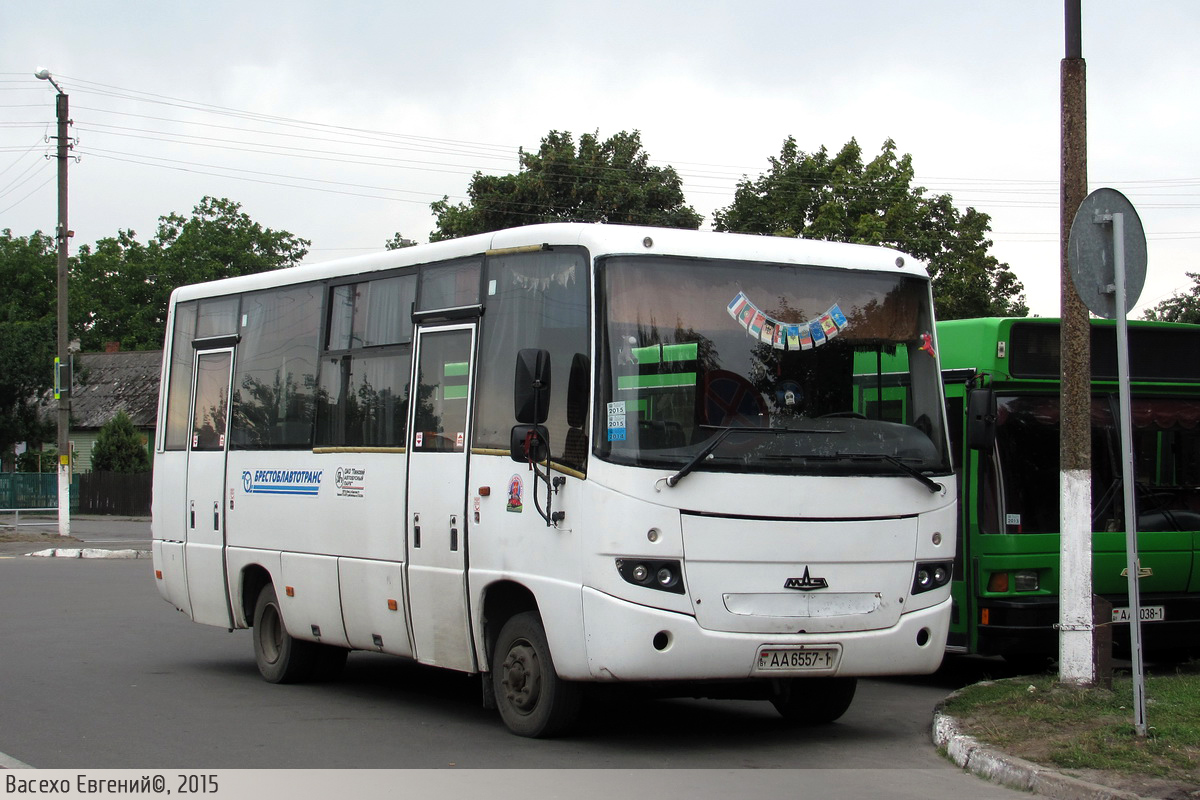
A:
341	122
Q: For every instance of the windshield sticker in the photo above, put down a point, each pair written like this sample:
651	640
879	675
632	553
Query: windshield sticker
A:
786	335
616	421
828	325
818	333
768	332
756	324
515	489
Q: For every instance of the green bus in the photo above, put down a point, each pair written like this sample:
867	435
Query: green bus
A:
1002	381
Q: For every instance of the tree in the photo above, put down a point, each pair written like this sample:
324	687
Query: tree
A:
45	460
121	288
120	447
609	181
28	313
1182	306
840	198
398	242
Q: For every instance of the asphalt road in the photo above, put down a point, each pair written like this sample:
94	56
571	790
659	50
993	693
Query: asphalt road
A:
97	672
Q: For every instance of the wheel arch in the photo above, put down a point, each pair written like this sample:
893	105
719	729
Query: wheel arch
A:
253	578
502	601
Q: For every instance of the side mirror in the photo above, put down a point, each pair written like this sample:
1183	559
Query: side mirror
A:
529	443
981	419
531	387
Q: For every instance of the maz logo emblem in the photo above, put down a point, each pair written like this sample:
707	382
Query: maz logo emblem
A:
806	583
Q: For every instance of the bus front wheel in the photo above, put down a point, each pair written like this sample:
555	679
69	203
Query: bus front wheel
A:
814	700
280	658
532	700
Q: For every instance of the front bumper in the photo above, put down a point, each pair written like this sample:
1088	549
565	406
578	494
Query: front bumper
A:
629	642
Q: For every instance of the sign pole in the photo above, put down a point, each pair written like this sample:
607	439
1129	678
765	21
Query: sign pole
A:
1128	476
1108	267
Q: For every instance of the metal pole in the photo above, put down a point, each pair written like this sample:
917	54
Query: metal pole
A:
63	365
1128	476
1077	659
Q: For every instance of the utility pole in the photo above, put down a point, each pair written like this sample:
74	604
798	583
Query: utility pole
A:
62	363
1077	661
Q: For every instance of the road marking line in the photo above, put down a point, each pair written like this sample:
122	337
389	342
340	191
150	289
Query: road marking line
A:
8	762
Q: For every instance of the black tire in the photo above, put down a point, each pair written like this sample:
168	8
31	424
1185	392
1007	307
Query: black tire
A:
280	658
814	700
533	701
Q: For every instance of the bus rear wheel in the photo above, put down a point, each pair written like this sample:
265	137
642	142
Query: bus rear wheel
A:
814	700
533	701
280	657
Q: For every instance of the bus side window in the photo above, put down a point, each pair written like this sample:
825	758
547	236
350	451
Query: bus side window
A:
179	382
535	300
363	393
276	371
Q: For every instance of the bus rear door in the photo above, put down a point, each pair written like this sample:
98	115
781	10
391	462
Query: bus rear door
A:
204	526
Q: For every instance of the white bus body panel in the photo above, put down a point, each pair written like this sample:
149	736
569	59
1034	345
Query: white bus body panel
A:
314	611
168	563
368	588
741	539
737	570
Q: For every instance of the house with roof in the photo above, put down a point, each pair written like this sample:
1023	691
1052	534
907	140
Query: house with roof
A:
104	384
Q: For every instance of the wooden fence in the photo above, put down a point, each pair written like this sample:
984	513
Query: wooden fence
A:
114	493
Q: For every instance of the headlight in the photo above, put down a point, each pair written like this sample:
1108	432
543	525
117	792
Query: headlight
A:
666	576
1026	580
932	575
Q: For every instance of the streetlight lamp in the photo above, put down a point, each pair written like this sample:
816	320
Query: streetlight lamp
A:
62	363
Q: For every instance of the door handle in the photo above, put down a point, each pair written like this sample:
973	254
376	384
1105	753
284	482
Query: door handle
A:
416	530
216	515
453	532
193	514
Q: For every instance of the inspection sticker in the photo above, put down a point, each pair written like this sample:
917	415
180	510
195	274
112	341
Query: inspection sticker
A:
616	421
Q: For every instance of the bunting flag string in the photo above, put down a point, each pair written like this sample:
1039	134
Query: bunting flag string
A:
785	335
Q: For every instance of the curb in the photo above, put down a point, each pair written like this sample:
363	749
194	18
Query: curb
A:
88	552
1017	773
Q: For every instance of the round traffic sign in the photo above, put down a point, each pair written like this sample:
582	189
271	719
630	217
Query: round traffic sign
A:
1091	252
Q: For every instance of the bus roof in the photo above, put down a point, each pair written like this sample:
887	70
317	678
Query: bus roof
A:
599	239
1027	348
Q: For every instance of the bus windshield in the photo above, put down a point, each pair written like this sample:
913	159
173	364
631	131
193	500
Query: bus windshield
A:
693	347
1166	444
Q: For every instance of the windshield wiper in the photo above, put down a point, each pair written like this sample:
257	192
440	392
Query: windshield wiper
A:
708	449
925	480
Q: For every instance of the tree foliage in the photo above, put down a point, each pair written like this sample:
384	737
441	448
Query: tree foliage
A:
1183	306
121	287
398	242
120	447
28	343
596	181
841	198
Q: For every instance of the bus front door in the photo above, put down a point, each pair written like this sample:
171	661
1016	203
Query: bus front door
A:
437	497
204	524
